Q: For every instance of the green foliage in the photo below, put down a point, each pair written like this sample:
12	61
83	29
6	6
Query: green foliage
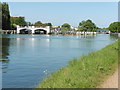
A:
86	72
5	17
18	21
48	24
87	25
65	27
114	27
13	27
40	24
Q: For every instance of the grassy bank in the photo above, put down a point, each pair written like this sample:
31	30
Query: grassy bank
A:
87	72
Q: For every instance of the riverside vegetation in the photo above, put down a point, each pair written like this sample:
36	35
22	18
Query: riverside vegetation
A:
87	72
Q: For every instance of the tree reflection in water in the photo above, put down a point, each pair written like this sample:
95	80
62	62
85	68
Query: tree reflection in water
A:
5	53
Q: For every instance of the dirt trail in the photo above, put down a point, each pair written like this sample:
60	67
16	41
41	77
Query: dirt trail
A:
112	81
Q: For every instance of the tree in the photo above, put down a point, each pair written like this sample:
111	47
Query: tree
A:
13	27
65	27
38	24
114	27
87	25
5	17
21	21
0	16
29	24
49	24
18	21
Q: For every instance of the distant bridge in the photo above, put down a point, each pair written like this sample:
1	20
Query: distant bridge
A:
33	29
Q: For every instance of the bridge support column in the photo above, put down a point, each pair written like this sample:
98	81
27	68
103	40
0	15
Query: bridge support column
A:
48	29
33	31
18	31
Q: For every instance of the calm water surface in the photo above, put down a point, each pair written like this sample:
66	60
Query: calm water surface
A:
30	58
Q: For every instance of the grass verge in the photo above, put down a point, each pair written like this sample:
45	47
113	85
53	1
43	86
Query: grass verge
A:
87	72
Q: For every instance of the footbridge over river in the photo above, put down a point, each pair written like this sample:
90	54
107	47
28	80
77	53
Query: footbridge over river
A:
33	29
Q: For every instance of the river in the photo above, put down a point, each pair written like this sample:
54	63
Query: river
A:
28	59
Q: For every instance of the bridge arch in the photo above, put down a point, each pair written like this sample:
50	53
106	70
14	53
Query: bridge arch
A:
25	31
40	31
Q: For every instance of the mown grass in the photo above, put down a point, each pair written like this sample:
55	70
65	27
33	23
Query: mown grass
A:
87	72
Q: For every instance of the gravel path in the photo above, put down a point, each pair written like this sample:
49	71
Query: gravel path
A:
112	81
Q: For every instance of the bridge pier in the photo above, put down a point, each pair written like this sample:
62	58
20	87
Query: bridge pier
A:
18	31
33	31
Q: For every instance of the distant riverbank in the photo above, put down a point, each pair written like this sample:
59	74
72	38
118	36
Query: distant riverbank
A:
54	32
86	72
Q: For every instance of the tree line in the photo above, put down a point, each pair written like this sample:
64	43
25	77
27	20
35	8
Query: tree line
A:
8	23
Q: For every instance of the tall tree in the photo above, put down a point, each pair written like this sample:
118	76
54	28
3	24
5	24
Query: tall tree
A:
87	25
1	16
5	16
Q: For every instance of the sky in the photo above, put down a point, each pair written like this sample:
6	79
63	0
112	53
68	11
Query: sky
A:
58	13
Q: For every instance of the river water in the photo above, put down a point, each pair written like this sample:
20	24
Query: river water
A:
28	59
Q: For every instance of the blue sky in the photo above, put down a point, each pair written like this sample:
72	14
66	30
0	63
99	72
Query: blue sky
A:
58	13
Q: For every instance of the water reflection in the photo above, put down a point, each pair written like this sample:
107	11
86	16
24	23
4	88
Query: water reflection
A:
113	36
5	48
88	36
5	66
33	42
5	54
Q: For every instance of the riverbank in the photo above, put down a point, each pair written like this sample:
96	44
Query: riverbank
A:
86	72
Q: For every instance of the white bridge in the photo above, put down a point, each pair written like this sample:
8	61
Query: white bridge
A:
33	29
